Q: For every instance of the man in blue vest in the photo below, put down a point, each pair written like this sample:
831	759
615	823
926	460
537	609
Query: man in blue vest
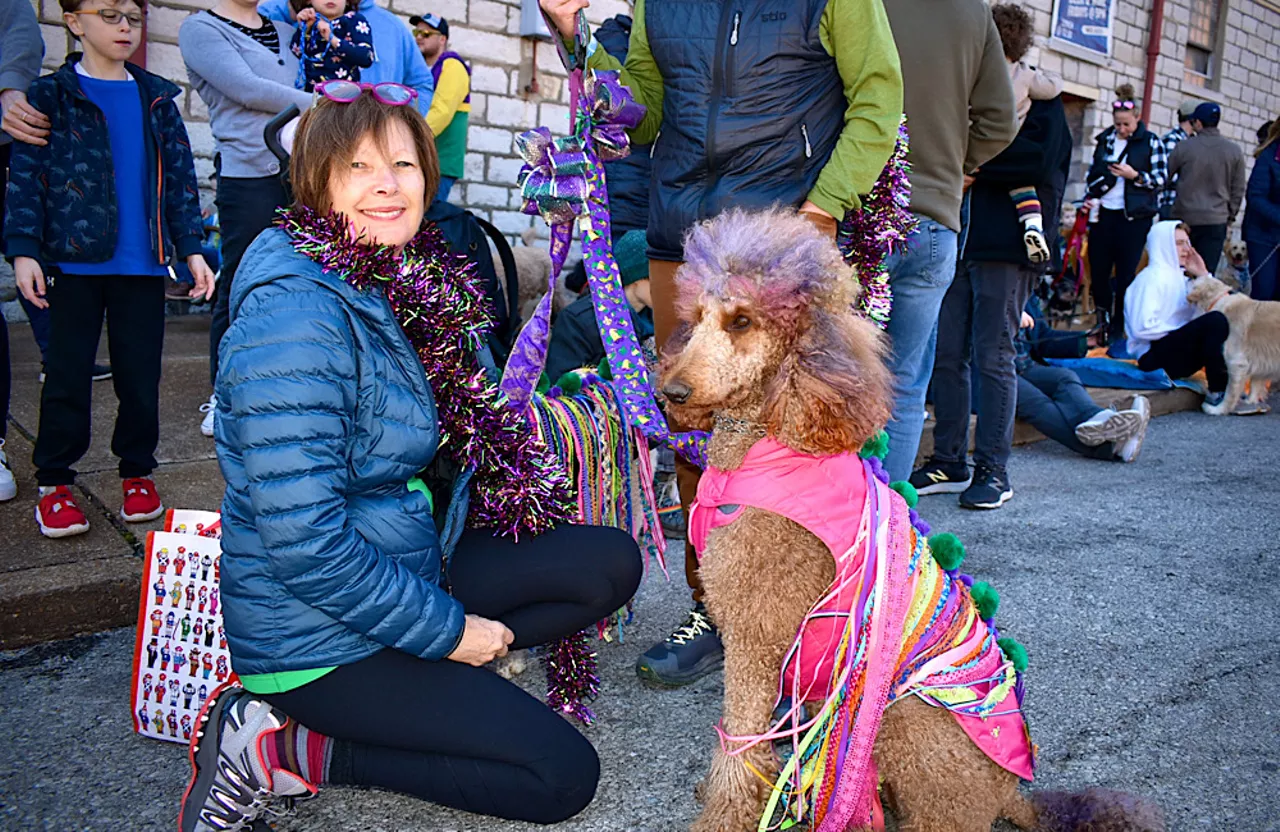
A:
763	102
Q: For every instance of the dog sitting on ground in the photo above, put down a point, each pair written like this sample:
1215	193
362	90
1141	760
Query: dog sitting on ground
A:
769	352
1252	349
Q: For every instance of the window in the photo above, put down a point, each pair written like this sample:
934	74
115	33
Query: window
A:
1203	42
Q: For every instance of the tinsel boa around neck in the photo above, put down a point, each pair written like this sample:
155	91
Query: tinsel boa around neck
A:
518	485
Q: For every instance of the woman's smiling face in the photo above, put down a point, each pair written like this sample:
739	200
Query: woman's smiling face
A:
382	189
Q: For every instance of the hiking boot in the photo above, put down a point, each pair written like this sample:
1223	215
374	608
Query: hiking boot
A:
938	477
231	785
141	500
990	489
58	514
688	654
1109	426
1128	447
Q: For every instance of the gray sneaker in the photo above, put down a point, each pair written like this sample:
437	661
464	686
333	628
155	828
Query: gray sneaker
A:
685	656
231	786
1128	448
1109	426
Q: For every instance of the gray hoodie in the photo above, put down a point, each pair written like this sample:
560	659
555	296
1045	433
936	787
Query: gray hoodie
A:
21	48
244	85
1210	171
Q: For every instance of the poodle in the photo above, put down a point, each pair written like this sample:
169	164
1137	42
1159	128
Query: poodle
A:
1252	348
769	348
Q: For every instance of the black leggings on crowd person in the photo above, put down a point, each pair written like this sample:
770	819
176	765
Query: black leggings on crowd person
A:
1115	242
463	736
1192	346
246	208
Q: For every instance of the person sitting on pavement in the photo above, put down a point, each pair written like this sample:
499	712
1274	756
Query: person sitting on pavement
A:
1054	401
575	336
450	112
1165	330
361	660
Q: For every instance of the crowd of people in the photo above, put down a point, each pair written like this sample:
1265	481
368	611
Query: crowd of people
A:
334	588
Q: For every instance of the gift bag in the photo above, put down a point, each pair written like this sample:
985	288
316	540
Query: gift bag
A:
180	655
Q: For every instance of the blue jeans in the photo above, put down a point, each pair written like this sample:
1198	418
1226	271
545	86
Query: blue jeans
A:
1054	402
446	185
919	275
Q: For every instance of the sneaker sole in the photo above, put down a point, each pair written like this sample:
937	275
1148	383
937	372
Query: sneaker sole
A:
709	665
1118	428
8	490
67	531
1004	498
949	487
141	518
203	755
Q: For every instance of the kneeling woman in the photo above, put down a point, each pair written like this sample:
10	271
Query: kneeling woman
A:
359	647
1165	330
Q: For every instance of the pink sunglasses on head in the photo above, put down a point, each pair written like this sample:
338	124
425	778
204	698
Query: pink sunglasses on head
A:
384	92
1123	105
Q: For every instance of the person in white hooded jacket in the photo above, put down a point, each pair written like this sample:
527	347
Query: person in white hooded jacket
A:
1166	331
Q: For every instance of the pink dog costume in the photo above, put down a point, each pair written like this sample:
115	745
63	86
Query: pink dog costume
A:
894	623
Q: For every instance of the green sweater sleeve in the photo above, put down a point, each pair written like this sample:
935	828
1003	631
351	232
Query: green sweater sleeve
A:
857	34
640	73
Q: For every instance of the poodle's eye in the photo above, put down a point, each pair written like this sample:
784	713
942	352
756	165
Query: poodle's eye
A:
739	323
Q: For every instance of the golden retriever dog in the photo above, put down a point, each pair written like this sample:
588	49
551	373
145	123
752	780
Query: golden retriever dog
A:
1252	349
769	347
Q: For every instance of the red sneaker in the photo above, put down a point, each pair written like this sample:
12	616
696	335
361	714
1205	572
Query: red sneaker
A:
141	500
59	516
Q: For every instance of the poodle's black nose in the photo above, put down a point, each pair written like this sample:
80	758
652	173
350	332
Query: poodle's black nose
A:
677	391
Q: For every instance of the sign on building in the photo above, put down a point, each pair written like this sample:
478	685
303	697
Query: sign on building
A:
1083	28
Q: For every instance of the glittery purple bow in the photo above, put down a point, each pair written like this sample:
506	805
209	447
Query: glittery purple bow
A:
553	180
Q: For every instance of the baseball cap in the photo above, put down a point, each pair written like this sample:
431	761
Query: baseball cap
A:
435	21
1186	109
1207	113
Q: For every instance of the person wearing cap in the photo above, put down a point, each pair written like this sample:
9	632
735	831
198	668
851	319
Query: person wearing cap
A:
450	110
1210	168
575	338
397	58
1184	130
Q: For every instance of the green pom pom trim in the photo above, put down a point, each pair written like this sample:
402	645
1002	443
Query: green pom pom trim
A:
876	446
1014	652
908	492
544	384
604	371
947	550
986	599
570	383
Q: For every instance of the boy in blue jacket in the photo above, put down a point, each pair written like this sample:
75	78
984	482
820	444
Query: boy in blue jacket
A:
95	218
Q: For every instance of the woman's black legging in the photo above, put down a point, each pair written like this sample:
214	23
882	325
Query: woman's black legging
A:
462	736
1115	242
1197	343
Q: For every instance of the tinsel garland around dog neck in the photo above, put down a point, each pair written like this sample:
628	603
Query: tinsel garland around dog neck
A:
518	486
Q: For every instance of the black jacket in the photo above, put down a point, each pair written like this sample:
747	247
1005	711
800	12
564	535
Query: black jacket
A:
1147	155
1039	156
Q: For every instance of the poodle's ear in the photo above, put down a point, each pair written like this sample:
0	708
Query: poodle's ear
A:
831	391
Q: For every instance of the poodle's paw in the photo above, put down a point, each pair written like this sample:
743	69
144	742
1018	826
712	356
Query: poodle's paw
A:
511	665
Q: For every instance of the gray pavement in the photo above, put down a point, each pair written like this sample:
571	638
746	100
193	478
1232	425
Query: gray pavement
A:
1146	595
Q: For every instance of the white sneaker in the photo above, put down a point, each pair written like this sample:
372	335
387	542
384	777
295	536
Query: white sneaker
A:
208	409
1141	407
8	488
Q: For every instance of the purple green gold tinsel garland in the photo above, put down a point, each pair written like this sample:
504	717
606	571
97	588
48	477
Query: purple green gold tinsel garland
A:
518	485
867	236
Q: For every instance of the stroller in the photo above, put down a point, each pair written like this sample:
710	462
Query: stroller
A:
1067	295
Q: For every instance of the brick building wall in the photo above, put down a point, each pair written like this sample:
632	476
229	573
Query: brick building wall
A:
1244	78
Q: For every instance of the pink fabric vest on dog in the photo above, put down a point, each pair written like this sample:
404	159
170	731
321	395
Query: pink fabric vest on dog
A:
827	496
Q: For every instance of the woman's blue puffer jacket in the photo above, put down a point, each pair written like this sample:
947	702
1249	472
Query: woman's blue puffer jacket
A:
324	414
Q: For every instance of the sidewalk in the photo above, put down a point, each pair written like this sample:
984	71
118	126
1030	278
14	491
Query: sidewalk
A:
52	589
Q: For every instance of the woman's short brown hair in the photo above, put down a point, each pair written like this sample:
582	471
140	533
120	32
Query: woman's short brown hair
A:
329	134
1016	30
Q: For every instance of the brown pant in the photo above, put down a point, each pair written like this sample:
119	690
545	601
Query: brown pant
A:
662	287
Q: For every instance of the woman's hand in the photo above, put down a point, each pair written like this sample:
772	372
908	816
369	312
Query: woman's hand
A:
483	641
1124	170
1195	265
30	279
22	121
563	13
204	277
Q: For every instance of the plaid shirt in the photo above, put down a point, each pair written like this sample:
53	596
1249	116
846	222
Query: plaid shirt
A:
1170	141
1154	179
